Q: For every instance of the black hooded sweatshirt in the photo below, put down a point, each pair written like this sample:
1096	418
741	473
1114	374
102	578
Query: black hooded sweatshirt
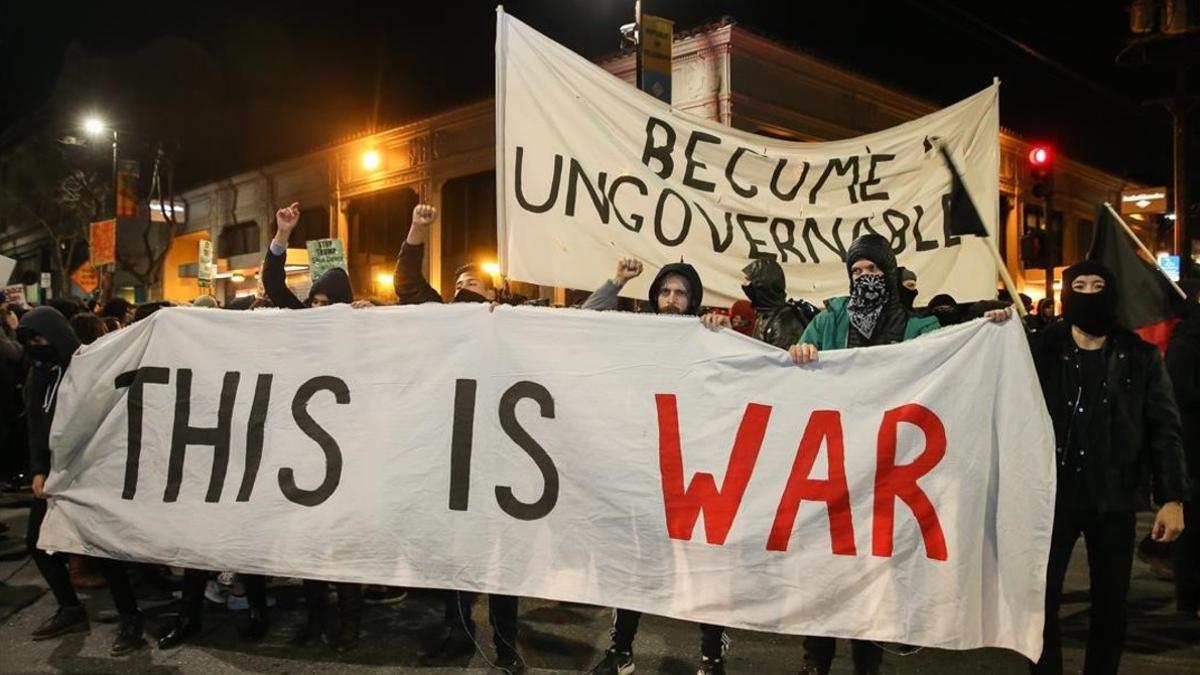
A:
334	284
1183	366
780	322
695	288
41	387
894	318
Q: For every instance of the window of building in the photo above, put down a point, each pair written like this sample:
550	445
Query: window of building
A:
238	239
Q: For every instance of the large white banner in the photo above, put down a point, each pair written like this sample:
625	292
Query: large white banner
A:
900	493
589	169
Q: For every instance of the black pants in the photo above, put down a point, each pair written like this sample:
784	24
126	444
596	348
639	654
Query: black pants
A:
1109	538
316	595
502	614
625	625
54	569
1187	561
193	592
819	651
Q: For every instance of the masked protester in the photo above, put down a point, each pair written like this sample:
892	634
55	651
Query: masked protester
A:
1114	414
1183	365
333	287
780	321
676	289
50	344
908	287
945	309
472	284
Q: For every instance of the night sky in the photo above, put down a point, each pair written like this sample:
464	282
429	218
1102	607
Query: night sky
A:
236	85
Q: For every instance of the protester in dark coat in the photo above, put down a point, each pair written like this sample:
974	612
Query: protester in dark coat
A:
330	288
676	289
1110	399
50	344
1183	366
780	321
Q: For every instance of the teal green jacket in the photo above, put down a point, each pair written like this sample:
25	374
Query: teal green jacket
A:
831	328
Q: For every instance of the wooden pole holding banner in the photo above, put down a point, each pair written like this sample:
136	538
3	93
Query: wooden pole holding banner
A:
1008	280
1129	231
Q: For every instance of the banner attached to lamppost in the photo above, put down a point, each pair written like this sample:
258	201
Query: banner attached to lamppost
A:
103	242
128	172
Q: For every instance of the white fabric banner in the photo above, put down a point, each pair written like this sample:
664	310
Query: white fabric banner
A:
901	493
589	169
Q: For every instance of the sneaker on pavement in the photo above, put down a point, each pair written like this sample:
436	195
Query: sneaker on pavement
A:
384	595
711	666
614	663
510	663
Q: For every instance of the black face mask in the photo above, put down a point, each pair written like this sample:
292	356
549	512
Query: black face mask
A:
463	295
908	296
43	353
1094	313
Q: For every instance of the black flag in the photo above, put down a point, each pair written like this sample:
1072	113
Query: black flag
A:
961	212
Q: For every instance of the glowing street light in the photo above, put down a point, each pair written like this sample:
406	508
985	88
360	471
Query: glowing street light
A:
491	268
371	160
94	126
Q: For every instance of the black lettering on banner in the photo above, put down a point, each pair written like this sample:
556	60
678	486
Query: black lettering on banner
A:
874	161
812	229
183	435
788	244
549	203
137	380
658	219
841	168
731	169
660	152
790	194
898	234
719	245
922	244
863	224
599	199
254	434
461	435
742	219
636	224
508	421
333	454
689	173
948	235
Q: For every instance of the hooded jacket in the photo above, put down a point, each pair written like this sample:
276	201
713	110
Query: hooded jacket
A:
831	328
41	386
334	284
695	288
780	322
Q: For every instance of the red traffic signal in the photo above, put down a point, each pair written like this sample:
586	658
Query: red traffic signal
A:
1040	157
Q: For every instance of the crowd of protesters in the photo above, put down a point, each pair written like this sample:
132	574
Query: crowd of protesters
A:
1122	415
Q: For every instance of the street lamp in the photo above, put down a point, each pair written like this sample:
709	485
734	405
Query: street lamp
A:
95	127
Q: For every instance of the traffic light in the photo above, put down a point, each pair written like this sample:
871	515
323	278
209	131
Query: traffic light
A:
1033	249
1041	169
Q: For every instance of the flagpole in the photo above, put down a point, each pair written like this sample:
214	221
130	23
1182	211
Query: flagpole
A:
1145	250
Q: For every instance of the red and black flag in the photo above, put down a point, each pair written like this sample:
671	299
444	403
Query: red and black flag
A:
1147	302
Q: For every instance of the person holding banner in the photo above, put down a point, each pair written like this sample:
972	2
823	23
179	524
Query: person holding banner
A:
1183	365
676	289
50	343
331	287
873	314
1110	399
472	284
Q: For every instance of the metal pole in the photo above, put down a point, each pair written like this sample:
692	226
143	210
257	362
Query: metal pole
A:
1179	111
1051	240
116	187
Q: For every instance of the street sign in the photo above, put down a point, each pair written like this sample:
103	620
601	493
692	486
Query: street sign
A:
204	270
324	255
1145	200
654	42
1169	264
85	277
103	242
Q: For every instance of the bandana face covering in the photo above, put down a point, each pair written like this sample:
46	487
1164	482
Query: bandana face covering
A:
868	294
